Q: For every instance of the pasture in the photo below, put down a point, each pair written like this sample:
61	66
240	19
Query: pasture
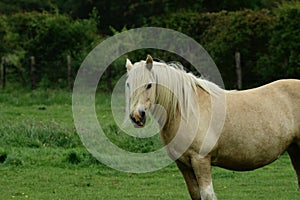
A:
41	157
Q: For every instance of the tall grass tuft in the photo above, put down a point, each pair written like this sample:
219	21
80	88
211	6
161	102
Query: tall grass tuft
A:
37	134
36	97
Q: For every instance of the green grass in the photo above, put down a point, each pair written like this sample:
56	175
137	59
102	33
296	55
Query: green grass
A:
47	174
41	157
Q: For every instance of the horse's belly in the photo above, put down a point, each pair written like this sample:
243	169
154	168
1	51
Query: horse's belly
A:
248	155
253	139
243	164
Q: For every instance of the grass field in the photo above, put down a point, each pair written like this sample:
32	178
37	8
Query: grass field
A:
41	157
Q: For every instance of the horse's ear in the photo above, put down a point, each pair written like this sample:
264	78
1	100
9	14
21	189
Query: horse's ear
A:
128	64
149	62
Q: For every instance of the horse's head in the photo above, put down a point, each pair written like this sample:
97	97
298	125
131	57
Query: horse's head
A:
141	89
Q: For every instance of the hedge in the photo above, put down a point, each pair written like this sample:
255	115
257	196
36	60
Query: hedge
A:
49	38
269	41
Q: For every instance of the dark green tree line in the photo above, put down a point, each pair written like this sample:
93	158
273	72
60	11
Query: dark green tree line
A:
265	32
131	13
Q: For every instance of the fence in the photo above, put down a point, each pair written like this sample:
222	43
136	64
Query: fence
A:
3	72
33	75
69	76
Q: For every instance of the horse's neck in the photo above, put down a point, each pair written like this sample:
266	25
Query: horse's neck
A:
172	117
195	126
163	113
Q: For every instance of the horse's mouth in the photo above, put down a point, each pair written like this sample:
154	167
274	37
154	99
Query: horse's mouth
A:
138	125
138	122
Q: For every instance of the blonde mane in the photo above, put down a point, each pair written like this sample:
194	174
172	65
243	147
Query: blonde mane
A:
176	88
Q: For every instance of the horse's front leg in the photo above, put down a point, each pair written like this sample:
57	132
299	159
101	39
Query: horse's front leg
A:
202	170
190	180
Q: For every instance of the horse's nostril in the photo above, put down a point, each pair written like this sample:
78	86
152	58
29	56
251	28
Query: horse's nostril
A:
142	113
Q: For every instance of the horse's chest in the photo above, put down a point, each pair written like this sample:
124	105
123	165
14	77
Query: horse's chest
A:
176	155
178	148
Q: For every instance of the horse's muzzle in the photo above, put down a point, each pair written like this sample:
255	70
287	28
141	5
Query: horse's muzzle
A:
139	119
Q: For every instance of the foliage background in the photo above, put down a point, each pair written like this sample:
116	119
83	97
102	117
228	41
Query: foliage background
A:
267	33
41	155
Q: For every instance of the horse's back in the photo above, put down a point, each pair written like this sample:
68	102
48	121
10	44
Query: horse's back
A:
281	96
260	124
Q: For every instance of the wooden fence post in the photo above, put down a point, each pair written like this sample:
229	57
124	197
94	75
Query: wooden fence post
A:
238	69
108	79
108	76
70	74
32	72
3	72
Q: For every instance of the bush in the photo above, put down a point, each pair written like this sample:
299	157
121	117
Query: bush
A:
222	34
282	59
245	31
49	38
269	41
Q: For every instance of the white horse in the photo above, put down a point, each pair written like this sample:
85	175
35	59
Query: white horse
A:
258	126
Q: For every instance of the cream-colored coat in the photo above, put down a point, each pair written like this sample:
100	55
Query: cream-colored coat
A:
255	128
260	125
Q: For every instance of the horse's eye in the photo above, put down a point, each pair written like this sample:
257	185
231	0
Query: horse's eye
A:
149	86
127	84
